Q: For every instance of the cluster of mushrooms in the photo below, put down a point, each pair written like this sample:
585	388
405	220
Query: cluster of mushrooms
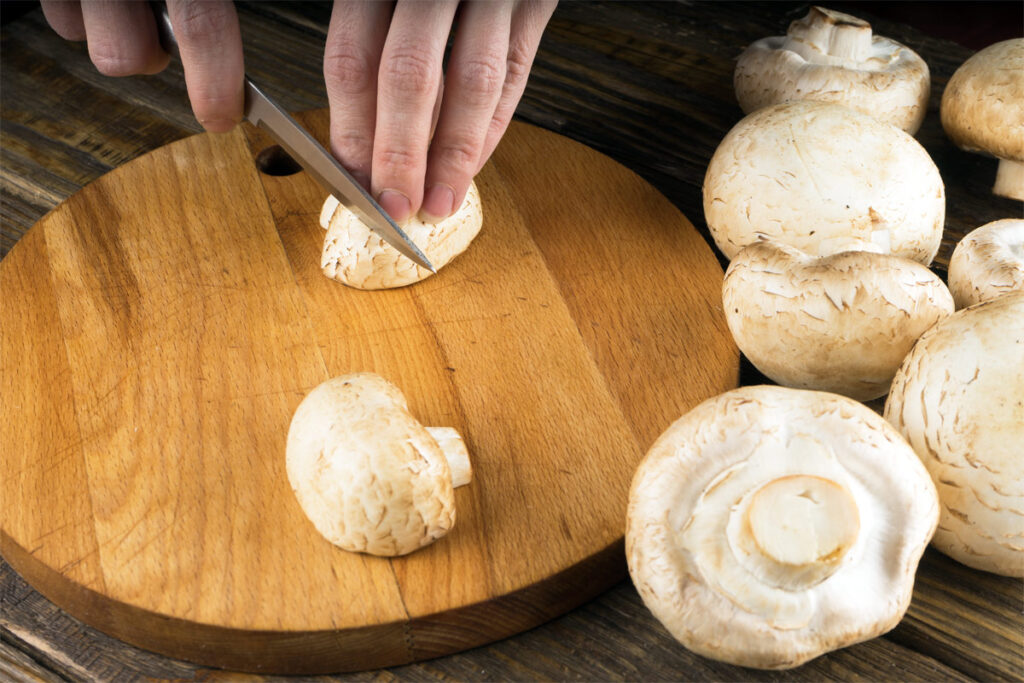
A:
772	524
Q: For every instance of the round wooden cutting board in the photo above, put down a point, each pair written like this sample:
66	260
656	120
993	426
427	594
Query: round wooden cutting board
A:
158	329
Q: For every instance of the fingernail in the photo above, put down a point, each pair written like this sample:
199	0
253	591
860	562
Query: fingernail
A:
218	125
395	204
438	203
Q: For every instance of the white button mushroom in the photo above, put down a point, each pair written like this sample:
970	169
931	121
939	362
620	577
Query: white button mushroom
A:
958	398
369	476
839	323
770	525
983	111
988	262
824	179
354	255
833	57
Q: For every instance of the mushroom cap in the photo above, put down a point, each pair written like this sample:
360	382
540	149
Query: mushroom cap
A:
770	525
368	475
982	107
356	256
988	262
876	75
824	179
840	323
958	398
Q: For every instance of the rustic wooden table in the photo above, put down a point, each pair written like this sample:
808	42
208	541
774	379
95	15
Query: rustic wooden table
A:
649	84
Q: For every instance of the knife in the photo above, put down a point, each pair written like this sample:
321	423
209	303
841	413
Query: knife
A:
262	111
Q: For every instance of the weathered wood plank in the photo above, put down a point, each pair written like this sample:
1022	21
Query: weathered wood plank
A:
646	83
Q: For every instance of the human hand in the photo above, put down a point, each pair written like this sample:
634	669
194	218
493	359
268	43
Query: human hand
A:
123	41
412	135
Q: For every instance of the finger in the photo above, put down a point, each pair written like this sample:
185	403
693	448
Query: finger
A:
355	39
122	38
210	44
407	86
476	72
528	22
65	17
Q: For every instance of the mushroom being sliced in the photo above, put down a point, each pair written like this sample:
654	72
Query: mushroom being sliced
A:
988	262
958	398
356	256
369	476
833	57
770	525
982	111
824	179
839	323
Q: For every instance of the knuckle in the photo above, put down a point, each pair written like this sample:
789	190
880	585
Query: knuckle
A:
517	66
204	22
396	160
347	69
459	154
410	72
480	80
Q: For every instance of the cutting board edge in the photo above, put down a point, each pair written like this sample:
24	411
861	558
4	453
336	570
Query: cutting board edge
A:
318	652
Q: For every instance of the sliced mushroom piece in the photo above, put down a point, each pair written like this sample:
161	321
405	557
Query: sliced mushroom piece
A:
988	262
958	398
982	110
356	256
331	205
368	476
823	178
833	57
770	525
840	323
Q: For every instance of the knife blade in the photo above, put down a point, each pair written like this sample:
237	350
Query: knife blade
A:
262	111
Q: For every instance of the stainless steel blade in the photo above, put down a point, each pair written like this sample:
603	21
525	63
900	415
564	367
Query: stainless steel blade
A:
260	110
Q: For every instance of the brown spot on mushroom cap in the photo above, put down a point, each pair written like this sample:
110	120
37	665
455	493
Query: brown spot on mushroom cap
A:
356	256
368	475
988	262
832	57
798	168
839	323
701	575
958	398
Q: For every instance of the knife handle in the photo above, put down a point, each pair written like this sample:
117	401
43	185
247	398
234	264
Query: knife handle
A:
164	30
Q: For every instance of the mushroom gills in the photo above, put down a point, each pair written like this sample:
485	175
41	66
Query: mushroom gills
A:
747	538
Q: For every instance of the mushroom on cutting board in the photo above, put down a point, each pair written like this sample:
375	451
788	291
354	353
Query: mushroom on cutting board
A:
958	398
982	111
833	57
840	323
988	262
369	476
356	256
823	178
770	525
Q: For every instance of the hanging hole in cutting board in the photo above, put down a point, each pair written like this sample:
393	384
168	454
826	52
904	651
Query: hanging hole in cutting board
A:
275	161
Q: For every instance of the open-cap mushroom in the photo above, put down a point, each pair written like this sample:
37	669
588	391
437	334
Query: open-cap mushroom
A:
958	398
770	525
833	57
356	256
988	262
369	476
823	178
982	111
840	323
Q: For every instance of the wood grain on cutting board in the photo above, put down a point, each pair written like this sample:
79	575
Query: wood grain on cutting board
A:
166	321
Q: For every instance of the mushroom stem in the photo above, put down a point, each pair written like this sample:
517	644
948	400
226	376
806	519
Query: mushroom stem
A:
1010	179
455	452
833	33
